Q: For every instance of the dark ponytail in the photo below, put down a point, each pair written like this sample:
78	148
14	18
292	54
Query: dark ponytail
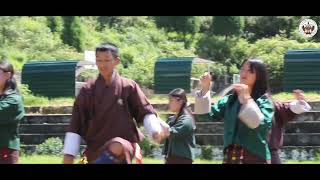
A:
11	83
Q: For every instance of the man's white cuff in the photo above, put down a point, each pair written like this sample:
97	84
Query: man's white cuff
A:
72	143
151	124
163	124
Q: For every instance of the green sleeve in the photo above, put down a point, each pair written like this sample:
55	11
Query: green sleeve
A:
183	127
8	109
266	107
217	111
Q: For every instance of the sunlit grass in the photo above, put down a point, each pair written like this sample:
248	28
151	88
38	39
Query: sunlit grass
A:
41	159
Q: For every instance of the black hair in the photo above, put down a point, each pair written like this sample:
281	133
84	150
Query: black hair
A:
261	86
105	47
213	76
11	83
180	94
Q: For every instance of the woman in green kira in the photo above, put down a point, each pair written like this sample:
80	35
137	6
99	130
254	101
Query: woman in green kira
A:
11	113
180	143
247	112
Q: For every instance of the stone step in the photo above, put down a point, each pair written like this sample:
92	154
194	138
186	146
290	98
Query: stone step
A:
58	118
291	127
43	128
209	127
68	109
209	139
33	138
40	138
65	118
202	128
293	139
303	127
31	148
48	118
302	153
301	139
315	106
48	110
308	116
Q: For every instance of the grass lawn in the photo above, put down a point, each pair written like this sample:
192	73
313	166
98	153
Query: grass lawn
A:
44	101
284	96
40	159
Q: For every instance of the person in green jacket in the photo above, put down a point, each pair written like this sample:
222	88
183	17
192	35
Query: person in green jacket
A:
180	143
247	112
11	113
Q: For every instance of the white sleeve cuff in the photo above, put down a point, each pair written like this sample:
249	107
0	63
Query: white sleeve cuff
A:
251	115
299	107
72	143
163	124
151	124
202	103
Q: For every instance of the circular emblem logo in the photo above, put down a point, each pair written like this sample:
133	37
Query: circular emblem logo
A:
308	28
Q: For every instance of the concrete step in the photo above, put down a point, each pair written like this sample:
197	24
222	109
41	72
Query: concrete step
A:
68	109
31	148
202	128
33	138
302	139
209	139
297	133
59	118
293	152
293	139
308	116
43	128
48	118
303	127
65	118
302	153
48	110
315	106
56	118
292	127
40	138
